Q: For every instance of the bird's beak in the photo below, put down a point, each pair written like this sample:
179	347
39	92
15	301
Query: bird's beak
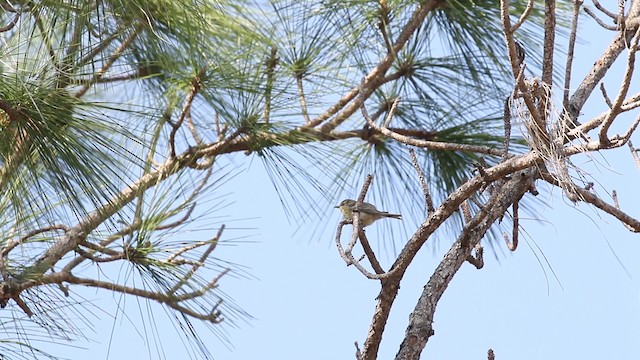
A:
336	207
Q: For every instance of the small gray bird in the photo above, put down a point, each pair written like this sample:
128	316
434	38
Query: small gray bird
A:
368	213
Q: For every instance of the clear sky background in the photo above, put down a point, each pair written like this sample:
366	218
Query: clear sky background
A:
570	291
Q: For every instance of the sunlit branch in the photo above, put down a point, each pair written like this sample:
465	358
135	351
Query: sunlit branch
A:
204	289
434	145
420	327
523	17
624	89
271	64
348	256
390	284
570	49
602	65
607	100
425	187
599	21
517	68
604	10
587	196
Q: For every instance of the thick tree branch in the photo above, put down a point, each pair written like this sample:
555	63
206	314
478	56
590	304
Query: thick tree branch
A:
421	319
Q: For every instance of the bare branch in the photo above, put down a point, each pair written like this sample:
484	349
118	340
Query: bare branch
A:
518	71
420	327
425	188
169	300
600	67
549	41
60	227
357	226
477	260
513	244
434	145
629	222
303	100
622	93
390	284
595	17
392	110
607	100
634	154
610	14
196	85
506	118
570	49
370	254
523	17
271	64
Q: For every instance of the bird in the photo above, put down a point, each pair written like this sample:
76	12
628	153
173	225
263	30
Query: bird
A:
368	212
520	53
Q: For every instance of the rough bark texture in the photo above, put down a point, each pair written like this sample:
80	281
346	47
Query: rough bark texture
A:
421	319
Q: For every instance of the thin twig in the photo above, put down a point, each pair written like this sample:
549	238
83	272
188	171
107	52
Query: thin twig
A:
12	23
513	244
604	10
433	145
634	154
110	61
203	258
196	85
570	50
370	254
595	17
622	93
303	99
523	17
515	65
607	100
585	195
271	64
425	187
600	68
